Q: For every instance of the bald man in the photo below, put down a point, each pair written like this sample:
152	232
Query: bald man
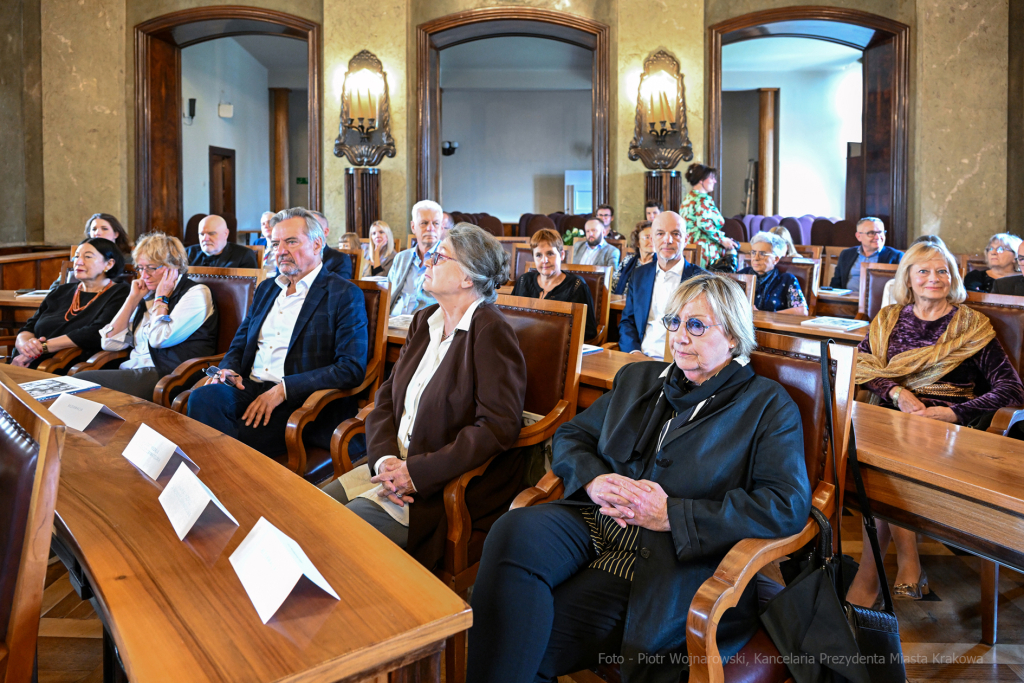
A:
214	250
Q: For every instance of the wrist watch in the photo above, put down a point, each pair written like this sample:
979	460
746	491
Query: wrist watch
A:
895	395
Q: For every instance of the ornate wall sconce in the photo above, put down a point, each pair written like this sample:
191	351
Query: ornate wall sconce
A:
364	136
660	136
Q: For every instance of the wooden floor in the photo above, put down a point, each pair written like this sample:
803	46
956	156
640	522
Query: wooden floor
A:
940	634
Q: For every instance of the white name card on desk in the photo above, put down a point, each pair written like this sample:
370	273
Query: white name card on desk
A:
77	412
269	564
185	498
151	451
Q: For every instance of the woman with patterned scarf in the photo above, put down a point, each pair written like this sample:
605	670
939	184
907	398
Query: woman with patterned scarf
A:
931	356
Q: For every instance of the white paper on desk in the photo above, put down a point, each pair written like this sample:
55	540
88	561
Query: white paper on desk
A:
150	451
269	564
77	412
185	498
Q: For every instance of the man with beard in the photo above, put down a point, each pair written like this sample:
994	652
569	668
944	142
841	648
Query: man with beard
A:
595	251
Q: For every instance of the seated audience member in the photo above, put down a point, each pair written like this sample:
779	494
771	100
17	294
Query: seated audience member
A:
652	505
334	260
410	266
463	355
933	356
550	282
1014	284
651	287
643	253
281	353
606	214
166	320
595	251
783	232
382	250
109	228
264	239
777	292
651	211
888	299
214	250
351	241
872	249
447	223
71	315
1001	257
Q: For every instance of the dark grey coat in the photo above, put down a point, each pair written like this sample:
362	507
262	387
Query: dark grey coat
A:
736	471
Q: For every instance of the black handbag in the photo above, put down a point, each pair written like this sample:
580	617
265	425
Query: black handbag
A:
726	262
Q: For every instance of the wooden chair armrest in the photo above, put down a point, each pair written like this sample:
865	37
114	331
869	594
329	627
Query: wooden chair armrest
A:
862	395
99	361
611	346
60	360
545	428
861	316
3	657
181	376
297	421
724	588
180	402
550	487
341	438
460	524
1001	420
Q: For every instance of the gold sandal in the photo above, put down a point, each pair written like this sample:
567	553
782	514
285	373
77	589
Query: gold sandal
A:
912	591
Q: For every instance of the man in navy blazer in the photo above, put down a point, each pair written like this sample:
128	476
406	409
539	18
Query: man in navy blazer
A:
651	286
872	249
305	331
334	261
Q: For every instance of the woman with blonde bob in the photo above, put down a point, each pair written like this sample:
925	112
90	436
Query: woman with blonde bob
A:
931	356
382	249
166	320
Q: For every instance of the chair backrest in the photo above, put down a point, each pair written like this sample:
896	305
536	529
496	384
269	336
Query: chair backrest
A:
551	338
1007	316
523	220
192	230
747	282
844	234
377	296
232	290
829	263
599	280
259	249
808	250
30	442
538	222
793	227
357	261
491	224
794	362
523	256
509	244
66	272
768	223
821	232
873	277
735	230
975	262
807	272
574	222
693	253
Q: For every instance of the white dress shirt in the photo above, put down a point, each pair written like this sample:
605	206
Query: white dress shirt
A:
276	333
191	311
665	284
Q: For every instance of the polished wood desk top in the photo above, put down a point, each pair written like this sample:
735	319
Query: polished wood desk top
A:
790	324
176	609
853	297
9	299
618	302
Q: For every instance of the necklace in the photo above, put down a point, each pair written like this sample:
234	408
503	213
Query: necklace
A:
75	307
445	336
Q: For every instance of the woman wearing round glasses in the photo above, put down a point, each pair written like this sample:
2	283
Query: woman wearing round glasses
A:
662	475
777	292
166	320
1001	257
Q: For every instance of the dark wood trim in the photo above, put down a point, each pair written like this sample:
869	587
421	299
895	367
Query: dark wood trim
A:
427	153
230	154
901	77
1015	123
767	151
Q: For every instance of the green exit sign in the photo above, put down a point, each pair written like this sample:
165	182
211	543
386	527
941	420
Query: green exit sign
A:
302	181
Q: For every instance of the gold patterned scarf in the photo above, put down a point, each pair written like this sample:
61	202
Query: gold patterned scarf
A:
967	333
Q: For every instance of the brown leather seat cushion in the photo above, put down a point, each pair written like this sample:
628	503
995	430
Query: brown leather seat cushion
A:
545	372
1008	322
804	273
538	222
876	280
19	454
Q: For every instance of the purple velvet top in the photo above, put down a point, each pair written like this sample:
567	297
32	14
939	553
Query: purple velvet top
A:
989	372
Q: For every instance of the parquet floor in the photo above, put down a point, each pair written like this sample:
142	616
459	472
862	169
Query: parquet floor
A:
940	634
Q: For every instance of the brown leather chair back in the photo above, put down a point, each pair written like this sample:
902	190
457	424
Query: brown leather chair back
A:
357	261
30	440
734	229
1007	316
551	336
747	282
599	280
793	226
844	234
376	295
808	250
807	272
523	256
523	220
491	224
509	244
232	290
192	230
573	222
821	232
538	222
873	277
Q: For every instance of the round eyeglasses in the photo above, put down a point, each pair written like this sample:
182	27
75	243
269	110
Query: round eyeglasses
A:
996	250
693	326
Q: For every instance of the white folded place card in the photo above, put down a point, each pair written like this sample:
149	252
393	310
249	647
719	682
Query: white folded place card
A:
77	412
185	498
269	564
150	451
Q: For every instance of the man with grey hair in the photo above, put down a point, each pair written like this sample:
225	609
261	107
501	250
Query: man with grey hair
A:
264	239
334	260
595	251
447	223
872	249
214	250
410	266
278	356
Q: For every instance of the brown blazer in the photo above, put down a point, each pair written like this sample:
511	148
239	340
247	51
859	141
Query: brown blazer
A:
470	411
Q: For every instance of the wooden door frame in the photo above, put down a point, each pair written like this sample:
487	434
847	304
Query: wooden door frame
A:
901	77
158	196
478	24
226	153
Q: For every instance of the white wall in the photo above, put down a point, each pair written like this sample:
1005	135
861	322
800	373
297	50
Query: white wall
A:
211	72
819	112
298	146
514	149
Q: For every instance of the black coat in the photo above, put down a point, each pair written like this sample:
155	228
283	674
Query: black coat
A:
233	256
1012	285
736	471
847	257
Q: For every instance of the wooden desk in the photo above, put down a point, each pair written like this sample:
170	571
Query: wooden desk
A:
8	299
177	611
790	324
838	306
16	310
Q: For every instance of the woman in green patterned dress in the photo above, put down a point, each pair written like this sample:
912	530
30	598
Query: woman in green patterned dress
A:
703	219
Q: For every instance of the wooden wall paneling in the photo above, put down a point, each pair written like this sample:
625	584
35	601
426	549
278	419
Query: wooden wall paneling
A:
878	130
279	171
49	270
664	187
362	199
20	275
767	150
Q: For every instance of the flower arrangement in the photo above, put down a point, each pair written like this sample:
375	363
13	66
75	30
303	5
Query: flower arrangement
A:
570	235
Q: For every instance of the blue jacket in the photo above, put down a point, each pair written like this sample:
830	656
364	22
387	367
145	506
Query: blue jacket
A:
328	345
633	325
338	263
847	257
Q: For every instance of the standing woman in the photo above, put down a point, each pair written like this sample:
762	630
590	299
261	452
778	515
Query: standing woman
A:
1001	256
71	315
643	253
382	249
702	218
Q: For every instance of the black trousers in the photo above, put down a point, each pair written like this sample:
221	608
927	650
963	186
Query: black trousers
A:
538	611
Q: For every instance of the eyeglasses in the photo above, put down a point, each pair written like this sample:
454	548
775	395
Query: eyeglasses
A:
693	326
438	256
873	233
996	250
761	254
149	270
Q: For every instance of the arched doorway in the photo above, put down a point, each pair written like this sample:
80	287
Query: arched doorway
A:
463	27
158	106
885	110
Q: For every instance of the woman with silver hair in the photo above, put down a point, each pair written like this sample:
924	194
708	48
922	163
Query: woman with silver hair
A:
461	364
777	292
1001	257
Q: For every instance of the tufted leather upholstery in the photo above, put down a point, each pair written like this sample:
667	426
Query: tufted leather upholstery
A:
873	278
19	455
538	222
807	274
547	334
232	295
1007	316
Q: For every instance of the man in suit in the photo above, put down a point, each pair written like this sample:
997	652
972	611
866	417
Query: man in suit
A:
651	287
334	260
606	214
305	331
214	250
410	266
595	251
1014	284
872	249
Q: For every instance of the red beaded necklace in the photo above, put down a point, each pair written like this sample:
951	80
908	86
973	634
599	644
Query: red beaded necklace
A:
75	308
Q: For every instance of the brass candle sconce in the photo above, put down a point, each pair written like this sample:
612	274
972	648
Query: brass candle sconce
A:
660	136
364	135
